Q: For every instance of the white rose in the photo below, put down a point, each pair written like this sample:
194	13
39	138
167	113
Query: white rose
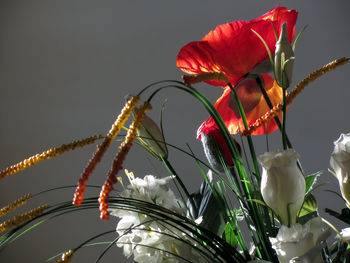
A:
340	162
282	184
301	243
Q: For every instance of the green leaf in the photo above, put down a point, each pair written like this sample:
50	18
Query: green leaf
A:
298	36
309	206
266	46
302	220
310	180
230	230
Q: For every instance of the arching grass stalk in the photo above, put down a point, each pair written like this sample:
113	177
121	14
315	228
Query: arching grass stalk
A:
211	241
84	244
267	250
175	237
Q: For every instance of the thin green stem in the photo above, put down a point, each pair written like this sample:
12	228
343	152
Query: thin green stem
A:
178	179
256	215
249	138
284	116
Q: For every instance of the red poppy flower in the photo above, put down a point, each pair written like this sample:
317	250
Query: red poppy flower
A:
234	50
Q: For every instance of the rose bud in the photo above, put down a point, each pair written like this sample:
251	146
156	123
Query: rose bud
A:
282	184
284	57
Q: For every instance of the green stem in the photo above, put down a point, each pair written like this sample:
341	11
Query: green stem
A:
268	101
173	172
249	138
266	246
284	116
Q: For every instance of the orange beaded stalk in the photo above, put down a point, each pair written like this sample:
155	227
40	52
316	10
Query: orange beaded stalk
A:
15	221
193	79
119	159
66	257
14	205
53	152
292	95
102	148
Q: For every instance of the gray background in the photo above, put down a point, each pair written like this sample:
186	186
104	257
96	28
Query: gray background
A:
66	65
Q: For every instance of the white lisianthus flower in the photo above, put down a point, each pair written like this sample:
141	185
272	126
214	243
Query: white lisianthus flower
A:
340	162
282	184
301	243
146	238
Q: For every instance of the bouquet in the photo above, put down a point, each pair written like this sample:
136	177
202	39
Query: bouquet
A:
251	205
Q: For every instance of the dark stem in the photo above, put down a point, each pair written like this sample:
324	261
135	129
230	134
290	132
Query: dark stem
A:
279	125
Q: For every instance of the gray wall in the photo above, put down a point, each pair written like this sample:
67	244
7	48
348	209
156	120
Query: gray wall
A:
66	65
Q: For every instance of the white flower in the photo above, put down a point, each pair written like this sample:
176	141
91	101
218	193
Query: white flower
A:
145	237
302	243
345	234
340	162
283	48
282	184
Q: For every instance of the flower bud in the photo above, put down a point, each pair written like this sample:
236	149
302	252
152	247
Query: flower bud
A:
340	162
152	136
284	56
282	184
213	141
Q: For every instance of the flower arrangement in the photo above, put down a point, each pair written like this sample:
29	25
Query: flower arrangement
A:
241	213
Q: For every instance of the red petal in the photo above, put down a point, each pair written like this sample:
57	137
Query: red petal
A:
233	49
254	105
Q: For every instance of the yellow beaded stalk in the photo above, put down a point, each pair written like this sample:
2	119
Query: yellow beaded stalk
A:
292	95
66	257
47	155
119	159
15	221
102	148
193	79
14	205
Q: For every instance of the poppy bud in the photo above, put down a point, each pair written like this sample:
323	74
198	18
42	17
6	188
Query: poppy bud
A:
152	136
284	56
340	162
282	184
213	141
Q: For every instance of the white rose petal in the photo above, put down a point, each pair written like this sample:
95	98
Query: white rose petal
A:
340	162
